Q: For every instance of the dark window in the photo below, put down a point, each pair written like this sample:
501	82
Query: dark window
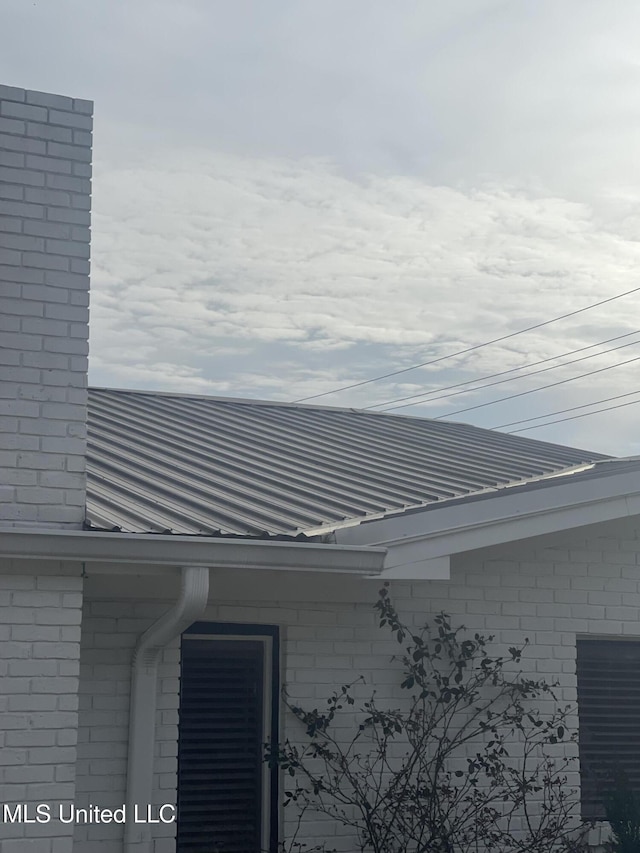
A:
609	718
227	797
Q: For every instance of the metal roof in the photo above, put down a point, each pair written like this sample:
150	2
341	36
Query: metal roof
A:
224	466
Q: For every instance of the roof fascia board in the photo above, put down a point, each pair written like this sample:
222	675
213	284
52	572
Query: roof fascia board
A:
161	550
505	518
438	568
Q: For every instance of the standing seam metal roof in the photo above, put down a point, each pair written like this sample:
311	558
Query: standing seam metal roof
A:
219	466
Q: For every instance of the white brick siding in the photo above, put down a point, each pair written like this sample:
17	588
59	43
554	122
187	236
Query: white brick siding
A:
44	285
546	591
39	671
109	633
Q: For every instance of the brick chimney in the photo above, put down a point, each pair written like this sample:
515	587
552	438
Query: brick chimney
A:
45	199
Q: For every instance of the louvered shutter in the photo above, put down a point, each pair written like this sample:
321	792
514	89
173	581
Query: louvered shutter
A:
608	674
220	746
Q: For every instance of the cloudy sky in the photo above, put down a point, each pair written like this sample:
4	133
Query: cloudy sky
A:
291	197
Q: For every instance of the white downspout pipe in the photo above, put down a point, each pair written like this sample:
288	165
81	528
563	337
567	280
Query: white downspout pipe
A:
142	710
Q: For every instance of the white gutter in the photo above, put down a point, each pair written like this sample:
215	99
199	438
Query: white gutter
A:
142	710
90	546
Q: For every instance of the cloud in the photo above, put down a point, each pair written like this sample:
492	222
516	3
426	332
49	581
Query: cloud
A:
290	197
217	264
546	92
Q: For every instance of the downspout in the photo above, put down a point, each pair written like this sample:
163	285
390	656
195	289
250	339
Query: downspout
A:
142	710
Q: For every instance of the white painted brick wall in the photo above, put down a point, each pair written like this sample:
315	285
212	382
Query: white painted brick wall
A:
45	198
39	671
588	583
109	633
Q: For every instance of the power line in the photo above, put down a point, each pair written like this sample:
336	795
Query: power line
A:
533	390
468	349
504	372
522	376
575	417
562	411
501	373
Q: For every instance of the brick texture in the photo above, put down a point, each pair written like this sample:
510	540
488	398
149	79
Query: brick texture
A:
39	664
44	238
110	631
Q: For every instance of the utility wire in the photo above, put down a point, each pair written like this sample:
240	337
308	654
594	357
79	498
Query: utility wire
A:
511	379
563	411
503	373
533	390
468	349
574	417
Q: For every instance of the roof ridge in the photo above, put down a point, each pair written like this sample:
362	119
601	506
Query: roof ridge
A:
258	402
283	404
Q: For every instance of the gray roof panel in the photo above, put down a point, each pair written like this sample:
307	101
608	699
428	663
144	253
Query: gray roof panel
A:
217	466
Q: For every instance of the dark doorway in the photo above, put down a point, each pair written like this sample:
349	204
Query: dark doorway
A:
227	797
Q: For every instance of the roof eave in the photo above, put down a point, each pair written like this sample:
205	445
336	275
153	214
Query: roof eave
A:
507	517
87	546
